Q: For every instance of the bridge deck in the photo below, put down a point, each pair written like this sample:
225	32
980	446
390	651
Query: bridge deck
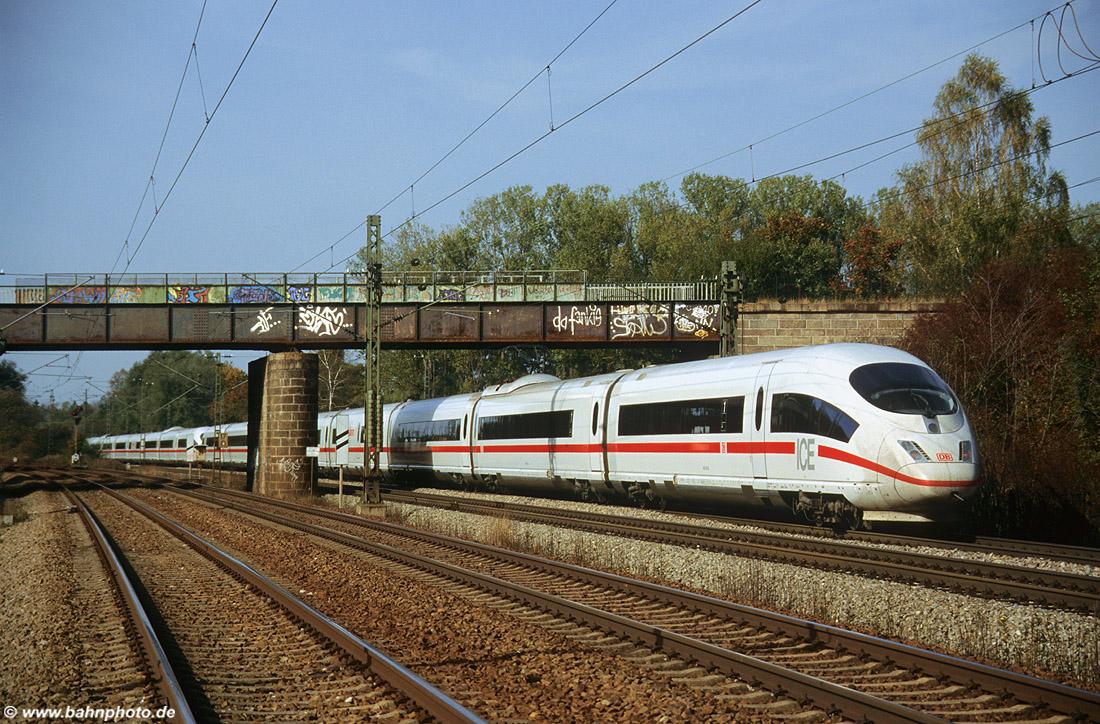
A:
274	312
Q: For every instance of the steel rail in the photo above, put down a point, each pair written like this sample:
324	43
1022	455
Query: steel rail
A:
1057	588
163	674
975	544
433	701
1027	689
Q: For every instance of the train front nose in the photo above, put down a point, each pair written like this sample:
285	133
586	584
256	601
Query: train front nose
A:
942	467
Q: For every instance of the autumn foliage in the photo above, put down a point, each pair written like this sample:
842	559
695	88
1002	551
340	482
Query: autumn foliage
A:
1021	347
871	261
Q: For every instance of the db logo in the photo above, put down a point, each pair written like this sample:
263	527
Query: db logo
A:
944	457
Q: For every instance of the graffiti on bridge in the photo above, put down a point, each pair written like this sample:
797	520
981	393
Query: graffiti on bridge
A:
80	295
633	321
700	320
571	317
182	294
322	321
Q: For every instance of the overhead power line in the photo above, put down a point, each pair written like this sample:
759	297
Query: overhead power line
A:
868	94
567	121
468	136
206	125
949	121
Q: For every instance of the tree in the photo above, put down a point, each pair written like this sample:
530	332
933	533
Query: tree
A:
589	230
791	236
230	404
170	388
340	382
510	231
669	240
19	420
870	264
1021	347
981	190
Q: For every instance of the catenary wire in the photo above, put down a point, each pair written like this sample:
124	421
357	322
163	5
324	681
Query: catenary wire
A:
464	140
198	140
164	136
853	100
569	120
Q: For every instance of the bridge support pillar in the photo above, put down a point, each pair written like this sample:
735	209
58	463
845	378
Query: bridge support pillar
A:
282	411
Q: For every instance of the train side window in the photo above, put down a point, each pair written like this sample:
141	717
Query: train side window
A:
465	420
525	426
425	431
792	412
759	407
683	417
595	418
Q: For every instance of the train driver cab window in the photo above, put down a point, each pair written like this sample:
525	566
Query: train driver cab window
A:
904	388
793	412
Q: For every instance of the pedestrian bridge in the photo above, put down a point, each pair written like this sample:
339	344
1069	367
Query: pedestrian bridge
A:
274	312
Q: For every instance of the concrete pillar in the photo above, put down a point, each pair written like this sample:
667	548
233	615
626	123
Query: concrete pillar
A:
287	423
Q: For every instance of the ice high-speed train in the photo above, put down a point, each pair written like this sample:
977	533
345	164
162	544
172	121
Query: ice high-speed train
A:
838	433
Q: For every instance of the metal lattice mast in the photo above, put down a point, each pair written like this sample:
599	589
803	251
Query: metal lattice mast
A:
372	394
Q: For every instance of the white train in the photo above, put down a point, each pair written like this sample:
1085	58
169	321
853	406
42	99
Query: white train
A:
838	433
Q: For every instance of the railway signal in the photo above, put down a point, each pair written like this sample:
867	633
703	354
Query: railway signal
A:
730	297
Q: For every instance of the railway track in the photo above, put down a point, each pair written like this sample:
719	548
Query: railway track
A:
1080	555
159	668
224	643
855	675
993	579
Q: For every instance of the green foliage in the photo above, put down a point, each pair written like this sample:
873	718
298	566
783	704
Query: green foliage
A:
981	189
20	421
29	431
175	387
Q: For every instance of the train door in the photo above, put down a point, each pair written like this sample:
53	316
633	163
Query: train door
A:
596	443
759	422
341	439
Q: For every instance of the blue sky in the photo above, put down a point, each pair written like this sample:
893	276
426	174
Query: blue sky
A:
341	106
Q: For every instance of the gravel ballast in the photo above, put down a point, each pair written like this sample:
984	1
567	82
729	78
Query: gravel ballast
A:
1022	636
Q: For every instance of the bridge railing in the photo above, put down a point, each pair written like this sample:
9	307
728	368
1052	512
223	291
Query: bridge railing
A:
704	290
547	285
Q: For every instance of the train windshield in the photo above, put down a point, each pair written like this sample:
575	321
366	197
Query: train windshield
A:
904	388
